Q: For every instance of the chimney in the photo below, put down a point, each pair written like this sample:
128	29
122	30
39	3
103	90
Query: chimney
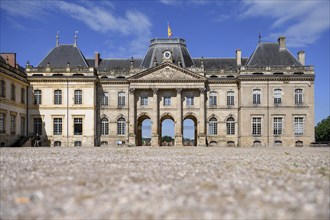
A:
238	57
301	57
281	41
10	58
97	59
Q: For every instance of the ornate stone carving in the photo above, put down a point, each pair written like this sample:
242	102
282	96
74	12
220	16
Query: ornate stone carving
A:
202	90
131	90
167	74
179	90
155	91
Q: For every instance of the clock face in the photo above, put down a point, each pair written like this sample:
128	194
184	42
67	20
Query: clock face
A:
167	54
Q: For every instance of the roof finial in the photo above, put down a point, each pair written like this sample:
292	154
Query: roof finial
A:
75	38
259	38
57	39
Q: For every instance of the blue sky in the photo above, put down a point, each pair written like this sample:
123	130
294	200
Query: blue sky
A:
123	28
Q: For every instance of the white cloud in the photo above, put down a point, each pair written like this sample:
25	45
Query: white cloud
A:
133	26
187	2
302	22
28	9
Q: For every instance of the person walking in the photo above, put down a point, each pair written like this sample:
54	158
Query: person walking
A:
37	141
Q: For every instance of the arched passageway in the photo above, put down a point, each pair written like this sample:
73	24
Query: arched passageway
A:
144	131
190	131
167	129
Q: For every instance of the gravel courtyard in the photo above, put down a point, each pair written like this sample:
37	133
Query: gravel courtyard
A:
165	183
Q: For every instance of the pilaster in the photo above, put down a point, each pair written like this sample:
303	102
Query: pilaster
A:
178	125
201	134
131	128
155	120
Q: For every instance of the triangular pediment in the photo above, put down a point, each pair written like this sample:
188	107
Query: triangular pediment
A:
167	72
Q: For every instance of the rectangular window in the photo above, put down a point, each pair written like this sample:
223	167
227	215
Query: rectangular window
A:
298	96
58	97
2	88
298	126
77	143
213	99
37	97
37	126
121	99
22	125
105	99
77	97
13	124
190	101
2	123
22	95
277	96
256	126
277	126
144	101
256	96
167	101
230	98
78	126
13	92
57	126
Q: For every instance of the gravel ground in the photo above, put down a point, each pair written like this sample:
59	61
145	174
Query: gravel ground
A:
165	183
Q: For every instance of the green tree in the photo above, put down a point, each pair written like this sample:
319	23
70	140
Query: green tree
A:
322	130
167	138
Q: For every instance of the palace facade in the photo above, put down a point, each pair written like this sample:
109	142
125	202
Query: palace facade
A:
266	99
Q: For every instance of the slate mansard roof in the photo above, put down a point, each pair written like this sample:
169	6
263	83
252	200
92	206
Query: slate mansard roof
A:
270	54
266	54
61	55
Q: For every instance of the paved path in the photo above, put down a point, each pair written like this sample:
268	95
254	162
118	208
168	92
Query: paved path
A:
165	183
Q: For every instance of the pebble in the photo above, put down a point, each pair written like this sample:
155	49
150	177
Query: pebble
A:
165	183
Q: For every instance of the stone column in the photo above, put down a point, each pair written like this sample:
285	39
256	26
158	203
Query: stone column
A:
178	125
155	120
201	130
131	128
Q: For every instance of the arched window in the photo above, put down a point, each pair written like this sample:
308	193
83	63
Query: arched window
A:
277	96
299	144
298	96
104	143
213	98
230	144
230	126
256	96
58	97
213	126
57	143
230	98
121	126
104	126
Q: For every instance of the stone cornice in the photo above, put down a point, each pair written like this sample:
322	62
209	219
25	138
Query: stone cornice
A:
110	81
14	75
62	79
277	78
